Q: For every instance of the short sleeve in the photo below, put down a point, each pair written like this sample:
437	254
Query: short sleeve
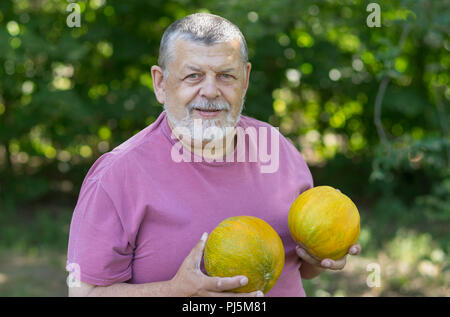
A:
98	244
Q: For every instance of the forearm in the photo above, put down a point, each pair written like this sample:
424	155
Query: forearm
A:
155	289
309	271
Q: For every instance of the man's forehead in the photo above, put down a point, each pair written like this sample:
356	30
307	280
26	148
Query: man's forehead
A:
224	55
225	68
182	43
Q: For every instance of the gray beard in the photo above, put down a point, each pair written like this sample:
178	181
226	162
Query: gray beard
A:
212	129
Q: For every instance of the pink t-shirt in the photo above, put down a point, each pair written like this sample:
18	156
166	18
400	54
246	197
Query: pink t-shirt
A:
140	213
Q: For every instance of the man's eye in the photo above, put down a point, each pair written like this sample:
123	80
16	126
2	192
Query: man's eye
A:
226	76
193	76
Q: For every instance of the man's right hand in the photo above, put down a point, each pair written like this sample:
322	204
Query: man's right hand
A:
190	280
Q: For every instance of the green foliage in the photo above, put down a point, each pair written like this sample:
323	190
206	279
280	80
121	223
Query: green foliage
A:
68	95
436	205
35	229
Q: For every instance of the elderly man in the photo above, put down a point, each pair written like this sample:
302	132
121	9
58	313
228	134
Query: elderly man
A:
143	206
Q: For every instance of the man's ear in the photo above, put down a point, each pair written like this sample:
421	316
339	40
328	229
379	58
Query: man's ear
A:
248	67
158	83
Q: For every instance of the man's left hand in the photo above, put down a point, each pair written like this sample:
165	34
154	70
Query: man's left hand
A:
328	263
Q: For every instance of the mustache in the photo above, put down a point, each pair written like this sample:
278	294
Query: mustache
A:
208	105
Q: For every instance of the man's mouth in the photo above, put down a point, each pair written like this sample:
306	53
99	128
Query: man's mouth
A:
207	110
208	113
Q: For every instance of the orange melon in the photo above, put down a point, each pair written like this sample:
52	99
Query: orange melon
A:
324	222
245	245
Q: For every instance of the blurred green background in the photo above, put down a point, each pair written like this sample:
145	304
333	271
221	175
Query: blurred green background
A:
367	107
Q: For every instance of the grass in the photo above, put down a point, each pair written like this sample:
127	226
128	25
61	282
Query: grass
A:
32	274
34	228
411	253
410	250
33	243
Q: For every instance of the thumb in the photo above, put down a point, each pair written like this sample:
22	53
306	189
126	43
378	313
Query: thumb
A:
195	256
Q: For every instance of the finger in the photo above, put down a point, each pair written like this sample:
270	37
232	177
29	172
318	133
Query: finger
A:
220	284
355	249
334	264
195	256
304	255
231	294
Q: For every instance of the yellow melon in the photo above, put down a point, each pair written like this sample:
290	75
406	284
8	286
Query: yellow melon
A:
245	245
325	222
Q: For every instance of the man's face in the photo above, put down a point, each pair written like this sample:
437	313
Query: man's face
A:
207	83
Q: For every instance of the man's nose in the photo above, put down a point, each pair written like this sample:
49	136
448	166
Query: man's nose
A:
209	89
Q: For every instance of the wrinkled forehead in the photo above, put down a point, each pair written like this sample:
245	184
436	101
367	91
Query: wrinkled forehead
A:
217	55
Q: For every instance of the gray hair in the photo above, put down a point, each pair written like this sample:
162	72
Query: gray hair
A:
203	28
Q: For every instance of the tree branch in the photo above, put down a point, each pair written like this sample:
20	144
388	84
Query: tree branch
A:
442	119
378	103
381	91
